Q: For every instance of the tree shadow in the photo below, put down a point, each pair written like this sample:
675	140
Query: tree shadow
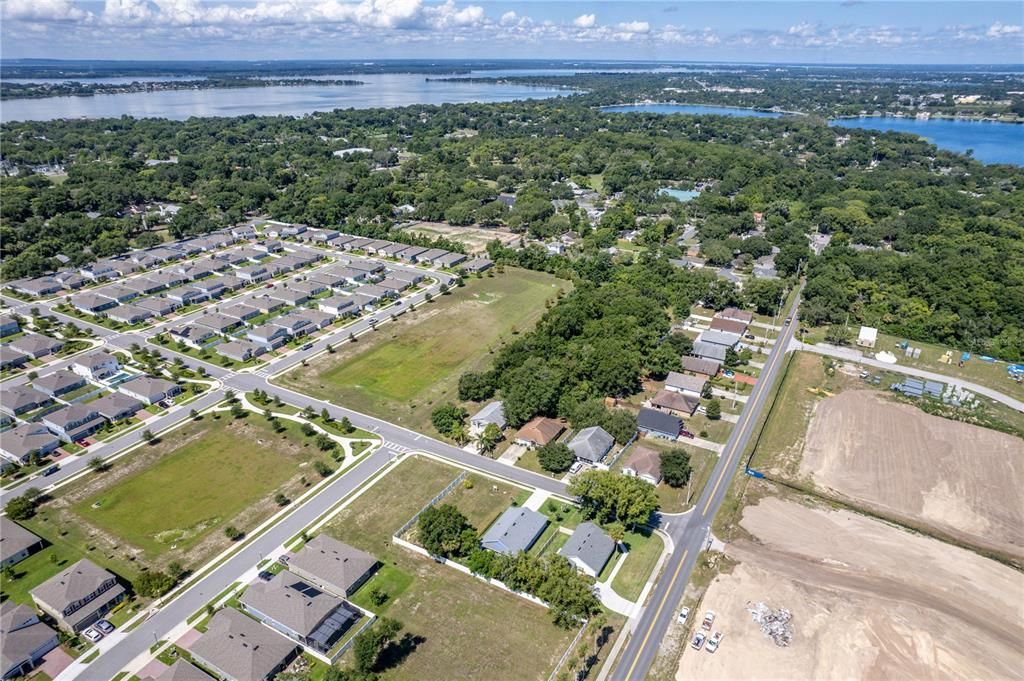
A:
396	651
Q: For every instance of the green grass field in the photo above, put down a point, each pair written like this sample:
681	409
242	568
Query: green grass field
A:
220	471
464	628
406	367
644	550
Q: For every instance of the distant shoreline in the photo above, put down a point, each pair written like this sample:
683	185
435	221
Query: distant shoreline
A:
781	112
932	117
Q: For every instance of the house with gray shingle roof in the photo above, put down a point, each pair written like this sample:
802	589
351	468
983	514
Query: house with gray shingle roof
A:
183	670
130	314
302	612
158	306
16	543
238	648
9	357
96	365
58	383
332	565
493	412
92	303
514	531
150	390
74	422
591	444
25	640
18	443
589	548
19	399
79	595
117	406
37	345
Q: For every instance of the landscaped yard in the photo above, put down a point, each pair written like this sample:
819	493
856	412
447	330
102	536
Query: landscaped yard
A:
644	549
171	501
462	628
405	368
674	499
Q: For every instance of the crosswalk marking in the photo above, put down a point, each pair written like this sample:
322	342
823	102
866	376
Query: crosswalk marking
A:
401	449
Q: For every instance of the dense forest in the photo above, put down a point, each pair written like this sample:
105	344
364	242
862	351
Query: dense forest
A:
925	243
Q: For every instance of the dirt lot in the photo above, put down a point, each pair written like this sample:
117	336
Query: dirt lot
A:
475	239
858	611
959	478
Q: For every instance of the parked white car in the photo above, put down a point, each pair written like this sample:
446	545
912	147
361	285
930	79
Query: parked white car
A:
684	615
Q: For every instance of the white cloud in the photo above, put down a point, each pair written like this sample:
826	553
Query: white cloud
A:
635	27
1001	30
43	10
509	18
584	21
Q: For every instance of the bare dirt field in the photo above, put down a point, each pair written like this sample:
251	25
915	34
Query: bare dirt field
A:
475	239
961	479
869	601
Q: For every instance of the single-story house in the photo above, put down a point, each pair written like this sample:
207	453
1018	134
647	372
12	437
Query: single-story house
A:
121	294
18	443
20	399
129	314
236	257
96	365
310	287
339	306
293	324
477	265
685	384
675	403
150	390
491	413
158	306
722	338
8	325
702	366
243	232
514	531
589	548
265	304
238	648
709	350
645	464
215	321
431	256
79	595
183	670
269	336
269	246
369	266
403	275
92	303
302	612
241	312
728	325
74	422
25	640
591	444
238	350
357	244
100	269
867	337
412	253
37	345
538	432
37	288
253	274
374	292
71	280
316	318
333	565
230	282
289	296
16	543
655	423
362	301
191	334
213	287
383	247
187	295
167	278
58	383
736	314
11	358
117	406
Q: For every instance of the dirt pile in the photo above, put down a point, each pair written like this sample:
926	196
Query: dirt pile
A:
776	624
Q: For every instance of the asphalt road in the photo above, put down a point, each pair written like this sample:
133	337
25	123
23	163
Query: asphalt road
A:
691	535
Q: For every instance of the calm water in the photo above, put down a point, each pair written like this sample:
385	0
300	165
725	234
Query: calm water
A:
380	90
991	142
682	195
693	109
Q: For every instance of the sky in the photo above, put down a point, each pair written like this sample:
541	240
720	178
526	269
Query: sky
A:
835	32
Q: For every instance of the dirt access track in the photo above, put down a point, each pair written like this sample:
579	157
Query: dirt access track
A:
869	601
963	480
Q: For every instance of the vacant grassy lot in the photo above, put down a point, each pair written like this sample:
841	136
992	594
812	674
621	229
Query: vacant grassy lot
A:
461	628
171	501
644	549
405	368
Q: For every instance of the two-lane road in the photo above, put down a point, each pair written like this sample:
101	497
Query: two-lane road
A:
646	639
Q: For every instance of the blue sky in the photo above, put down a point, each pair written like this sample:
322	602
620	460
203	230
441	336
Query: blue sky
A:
843	31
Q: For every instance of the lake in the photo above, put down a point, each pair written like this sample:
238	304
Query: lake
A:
692	109
991	142
380	90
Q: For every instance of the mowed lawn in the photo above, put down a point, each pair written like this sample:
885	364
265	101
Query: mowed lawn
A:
462	628
404	368
222	469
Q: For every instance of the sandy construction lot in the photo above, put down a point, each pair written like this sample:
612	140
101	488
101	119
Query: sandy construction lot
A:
475	239
869	601
964	480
